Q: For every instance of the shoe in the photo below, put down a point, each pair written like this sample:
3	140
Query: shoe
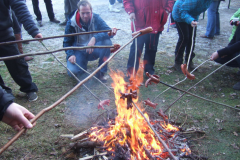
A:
177	67
40	23
55	20
111	9
191	66
32	96
237	86
63	23
204	36
173	25
100	76
28	58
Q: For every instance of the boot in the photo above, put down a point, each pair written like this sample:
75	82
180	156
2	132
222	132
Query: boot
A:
20	48
177	67
111	9
191	66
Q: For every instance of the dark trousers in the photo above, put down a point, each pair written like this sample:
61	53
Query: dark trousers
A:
82	58
113	1
49	8
151	43
17	68
185	32
234	63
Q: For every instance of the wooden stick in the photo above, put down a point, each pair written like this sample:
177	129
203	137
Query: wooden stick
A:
159	138
79	136
64	97
49	52
90	157
66	35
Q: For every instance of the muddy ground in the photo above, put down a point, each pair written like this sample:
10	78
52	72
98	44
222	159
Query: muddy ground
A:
79	111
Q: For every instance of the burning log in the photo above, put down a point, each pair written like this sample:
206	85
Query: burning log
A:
149	103
122	152
80	135
87	144
129	96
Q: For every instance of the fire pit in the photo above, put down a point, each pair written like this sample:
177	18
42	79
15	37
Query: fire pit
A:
128	135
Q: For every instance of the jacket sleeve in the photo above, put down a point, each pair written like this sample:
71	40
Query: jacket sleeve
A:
69	41
236	14
169	5
129	6
5	100
101	25
24	16
186	7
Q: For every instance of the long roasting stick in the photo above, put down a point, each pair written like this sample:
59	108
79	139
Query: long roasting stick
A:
70	92
66	35
71	73
49	52
201	81
159	138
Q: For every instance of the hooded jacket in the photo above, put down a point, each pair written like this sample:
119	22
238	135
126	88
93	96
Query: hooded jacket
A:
149	13
189	10
73	26
23	15
5	100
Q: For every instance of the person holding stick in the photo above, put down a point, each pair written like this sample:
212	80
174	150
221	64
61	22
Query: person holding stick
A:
12	113
231	51
186	14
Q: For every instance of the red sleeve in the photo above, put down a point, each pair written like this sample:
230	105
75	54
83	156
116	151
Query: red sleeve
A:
128	5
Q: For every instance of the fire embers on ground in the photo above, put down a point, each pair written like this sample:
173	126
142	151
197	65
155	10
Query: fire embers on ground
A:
128	136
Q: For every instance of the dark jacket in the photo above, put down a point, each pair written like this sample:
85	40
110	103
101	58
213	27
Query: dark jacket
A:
233	46
5	100
149	13
96	24
23	15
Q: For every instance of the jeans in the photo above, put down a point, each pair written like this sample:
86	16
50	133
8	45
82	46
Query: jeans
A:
151	43
70	6
234	63
185	32
113	1
213	23
82	58
49	8
17	68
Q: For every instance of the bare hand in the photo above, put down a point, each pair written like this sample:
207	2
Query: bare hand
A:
91	43
132	16
113	32
39	35
72	59
214	56
194	23
18	117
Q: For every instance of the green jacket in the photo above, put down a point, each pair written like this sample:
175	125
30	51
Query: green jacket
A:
235	15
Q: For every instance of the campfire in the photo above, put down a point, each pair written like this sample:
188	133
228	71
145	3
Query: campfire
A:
129	136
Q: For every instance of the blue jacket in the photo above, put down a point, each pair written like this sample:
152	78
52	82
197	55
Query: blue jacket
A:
96	24
23	15
189	10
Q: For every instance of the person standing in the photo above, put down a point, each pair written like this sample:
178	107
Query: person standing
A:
213	23
18	68
144	13
69	6
49	8
186	14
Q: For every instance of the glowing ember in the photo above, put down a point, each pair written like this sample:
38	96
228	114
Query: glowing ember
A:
129	128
